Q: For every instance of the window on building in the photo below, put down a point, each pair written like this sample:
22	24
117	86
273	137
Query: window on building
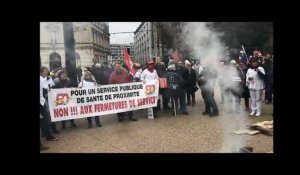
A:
52	37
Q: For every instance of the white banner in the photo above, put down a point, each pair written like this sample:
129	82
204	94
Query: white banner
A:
74	103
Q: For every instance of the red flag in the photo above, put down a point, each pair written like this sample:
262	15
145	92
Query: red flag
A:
176	55
128	62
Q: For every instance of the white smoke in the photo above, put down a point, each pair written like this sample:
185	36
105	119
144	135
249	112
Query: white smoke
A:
206	43
203	41
232	122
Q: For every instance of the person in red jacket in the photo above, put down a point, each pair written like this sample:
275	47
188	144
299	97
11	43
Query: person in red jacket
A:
119	76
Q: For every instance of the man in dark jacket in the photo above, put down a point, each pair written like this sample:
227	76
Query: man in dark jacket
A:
176	87
78	73
161	72
268	65
96	61
97	72
206	83
185	75
106	71
190	84
246	94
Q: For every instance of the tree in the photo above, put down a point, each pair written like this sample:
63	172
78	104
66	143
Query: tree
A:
253	35
168	33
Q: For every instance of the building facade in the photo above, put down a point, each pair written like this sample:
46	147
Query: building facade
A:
147	43
117	52
91	41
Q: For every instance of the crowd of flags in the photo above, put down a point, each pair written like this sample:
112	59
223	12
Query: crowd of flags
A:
129	63
243	58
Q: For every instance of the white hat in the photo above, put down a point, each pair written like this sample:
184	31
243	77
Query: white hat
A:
187	62
232	62
97	65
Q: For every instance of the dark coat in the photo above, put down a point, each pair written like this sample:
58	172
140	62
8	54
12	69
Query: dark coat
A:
61	84
191	80
185	75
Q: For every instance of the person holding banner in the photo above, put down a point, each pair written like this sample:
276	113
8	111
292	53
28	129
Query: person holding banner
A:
47	84
87	69
44	108
119	76
61	81
150	74
88	82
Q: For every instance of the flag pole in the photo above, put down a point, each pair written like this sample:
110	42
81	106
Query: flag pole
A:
245	54
174	106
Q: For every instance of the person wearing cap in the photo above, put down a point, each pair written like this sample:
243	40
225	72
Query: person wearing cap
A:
175	89
183	71
150	74
190	84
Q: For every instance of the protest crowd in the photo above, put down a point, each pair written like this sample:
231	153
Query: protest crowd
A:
179	79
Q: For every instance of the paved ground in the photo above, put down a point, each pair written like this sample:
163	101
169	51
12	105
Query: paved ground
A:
167	134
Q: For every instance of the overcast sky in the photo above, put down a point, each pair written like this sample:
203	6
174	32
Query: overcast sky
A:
122	38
